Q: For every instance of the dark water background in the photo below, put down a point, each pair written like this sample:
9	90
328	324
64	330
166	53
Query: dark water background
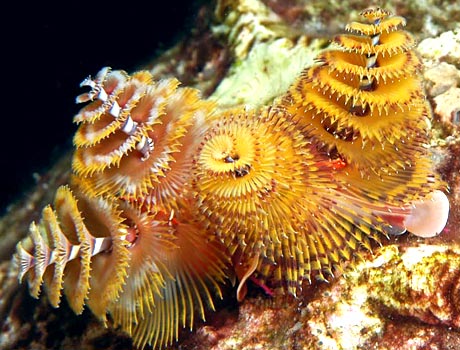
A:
48	49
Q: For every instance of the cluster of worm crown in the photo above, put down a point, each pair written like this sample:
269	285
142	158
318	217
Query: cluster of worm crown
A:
172	198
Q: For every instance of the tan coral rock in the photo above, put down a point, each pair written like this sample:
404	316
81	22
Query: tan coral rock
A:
446	47
246	23
403	297
420	282
441	78
448	106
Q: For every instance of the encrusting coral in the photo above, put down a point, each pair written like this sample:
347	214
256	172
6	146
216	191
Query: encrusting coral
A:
168	190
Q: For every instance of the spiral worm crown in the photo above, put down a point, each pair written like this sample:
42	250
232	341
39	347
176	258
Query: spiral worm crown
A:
135	135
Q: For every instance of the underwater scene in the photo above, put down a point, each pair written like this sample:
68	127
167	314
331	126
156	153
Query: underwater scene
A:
284	175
